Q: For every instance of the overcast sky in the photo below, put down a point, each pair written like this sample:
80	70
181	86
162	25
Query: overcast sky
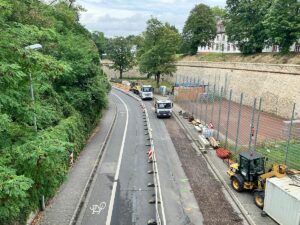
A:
125	17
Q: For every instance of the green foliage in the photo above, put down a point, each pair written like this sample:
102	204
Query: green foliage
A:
282	23
119	51
13	193
101	42
199	29
157	55
69	93
218	11
244	24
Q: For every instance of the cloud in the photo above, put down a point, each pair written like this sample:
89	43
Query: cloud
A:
125	17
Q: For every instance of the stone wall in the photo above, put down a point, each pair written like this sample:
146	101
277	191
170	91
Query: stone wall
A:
277	84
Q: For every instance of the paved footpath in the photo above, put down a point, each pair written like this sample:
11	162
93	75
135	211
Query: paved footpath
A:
64	205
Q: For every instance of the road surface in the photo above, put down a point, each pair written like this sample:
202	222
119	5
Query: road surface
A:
119	194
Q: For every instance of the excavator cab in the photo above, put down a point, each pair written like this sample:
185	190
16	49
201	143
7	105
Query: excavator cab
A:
251	166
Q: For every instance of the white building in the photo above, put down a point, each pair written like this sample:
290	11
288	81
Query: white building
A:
221	45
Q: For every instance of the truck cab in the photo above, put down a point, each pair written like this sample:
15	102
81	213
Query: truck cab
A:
163	108
146	92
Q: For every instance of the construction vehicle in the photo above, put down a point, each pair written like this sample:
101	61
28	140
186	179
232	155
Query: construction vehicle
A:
135	87
163	108
146	92
249	174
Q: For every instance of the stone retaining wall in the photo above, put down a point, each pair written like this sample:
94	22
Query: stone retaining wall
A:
277	84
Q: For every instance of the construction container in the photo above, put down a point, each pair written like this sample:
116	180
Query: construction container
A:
282	200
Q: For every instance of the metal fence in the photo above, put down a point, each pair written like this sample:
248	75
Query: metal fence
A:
239	127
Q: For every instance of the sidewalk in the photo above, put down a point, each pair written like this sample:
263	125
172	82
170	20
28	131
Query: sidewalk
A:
64	206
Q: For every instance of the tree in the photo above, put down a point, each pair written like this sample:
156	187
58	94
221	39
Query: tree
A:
119	51
244	24
282	23
199	29
218	11
100	41
157	55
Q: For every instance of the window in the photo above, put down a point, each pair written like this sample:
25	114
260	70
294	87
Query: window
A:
164	106
217	47
233	47
146	89
228	47
297	48
223	37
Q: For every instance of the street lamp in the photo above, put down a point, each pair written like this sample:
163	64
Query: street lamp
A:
33	47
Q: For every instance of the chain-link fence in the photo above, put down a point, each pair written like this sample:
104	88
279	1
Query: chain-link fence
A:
239	127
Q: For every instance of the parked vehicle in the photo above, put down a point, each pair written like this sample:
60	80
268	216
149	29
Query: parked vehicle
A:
146	92
163	108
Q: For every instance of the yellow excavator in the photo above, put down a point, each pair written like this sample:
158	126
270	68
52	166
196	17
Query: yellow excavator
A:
249	174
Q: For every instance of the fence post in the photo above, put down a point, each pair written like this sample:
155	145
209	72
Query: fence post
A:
228	117
201	100
257	124
289	135
220	110
239	123
197	109
252	124
207	94
213	104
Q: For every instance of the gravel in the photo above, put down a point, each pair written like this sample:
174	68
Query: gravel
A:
212	202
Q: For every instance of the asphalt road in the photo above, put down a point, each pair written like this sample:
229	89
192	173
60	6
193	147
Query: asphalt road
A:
119	194
180	206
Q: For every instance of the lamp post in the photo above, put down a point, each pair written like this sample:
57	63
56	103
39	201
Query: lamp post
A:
33	47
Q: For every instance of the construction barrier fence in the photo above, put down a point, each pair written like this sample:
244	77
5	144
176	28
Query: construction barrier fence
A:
239	127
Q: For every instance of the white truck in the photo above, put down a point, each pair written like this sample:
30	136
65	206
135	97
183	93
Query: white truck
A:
146	92
163	108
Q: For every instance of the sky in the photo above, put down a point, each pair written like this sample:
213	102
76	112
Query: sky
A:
126	17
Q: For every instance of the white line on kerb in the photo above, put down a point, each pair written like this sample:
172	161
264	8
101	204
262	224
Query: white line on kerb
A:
114	189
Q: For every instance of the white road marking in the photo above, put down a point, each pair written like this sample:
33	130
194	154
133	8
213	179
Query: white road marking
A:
114	189
96	209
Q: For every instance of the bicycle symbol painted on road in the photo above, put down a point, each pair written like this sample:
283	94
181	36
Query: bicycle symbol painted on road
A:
96	209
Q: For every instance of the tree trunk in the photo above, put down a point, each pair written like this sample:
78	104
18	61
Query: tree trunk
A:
157	79
121	74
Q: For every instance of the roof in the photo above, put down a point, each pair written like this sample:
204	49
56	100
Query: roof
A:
288	184
164	101
251	155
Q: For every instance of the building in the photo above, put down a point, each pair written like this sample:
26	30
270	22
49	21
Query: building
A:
221	44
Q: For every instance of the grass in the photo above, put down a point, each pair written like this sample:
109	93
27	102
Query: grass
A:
273	58
275	152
